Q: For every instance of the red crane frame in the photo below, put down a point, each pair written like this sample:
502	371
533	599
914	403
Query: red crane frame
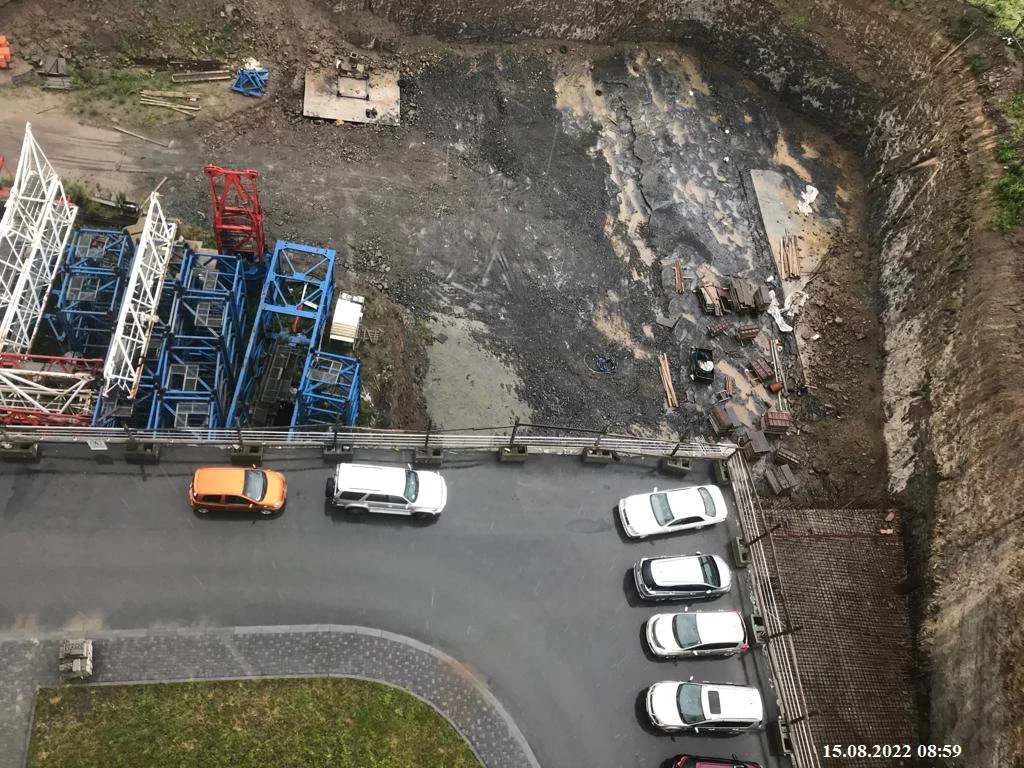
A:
237	213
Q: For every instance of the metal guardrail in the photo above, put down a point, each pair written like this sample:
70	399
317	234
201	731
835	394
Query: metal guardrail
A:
781	651
564	440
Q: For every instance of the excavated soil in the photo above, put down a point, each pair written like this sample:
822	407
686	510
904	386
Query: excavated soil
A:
915	307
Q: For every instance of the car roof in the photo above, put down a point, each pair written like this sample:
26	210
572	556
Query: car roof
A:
719	626
368	477
737	702
216	481
687	501
672	571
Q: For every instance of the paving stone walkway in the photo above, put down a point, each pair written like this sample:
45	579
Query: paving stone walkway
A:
247	652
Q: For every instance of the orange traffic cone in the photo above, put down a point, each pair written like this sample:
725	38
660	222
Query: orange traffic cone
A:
5	53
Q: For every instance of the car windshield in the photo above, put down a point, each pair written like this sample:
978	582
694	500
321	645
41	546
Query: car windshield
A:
710	571
255	487
412	485
688	700
684	625
709	503
661	509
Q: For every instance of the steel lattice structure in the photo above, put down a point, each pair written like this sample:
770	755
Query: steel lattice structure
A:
41	390
328	391
237	212
89	292
34	230
123	368
201	355
293	309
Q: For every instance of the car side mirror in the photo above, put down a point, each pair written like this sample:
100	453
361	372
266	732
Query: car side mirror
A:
696	730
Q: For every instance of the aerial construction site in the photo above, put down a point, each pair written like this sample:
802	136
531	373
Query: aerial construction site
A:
504	271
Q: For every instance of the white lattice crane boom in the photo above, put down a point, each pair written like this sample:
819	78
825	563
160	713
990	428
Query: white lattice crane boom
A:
122	370
34	231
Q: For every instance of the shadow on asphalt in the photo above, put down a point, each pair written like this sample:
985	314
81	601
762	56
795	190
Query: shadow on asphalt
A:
629	590
379	520
236	517
640	709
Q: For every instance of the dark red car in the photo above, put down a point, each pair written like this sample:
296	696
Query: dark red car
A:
690	761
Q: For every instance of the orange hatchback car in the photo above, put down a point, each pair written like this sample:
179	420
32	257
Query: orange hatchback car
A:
237	489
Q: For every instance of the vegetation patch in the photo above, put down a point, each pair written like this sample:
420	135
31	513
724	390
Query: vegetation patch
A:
1006	13
1010	187
307	723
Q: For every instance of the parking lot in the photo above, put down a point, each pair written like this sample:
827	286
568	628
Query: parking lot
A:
526	579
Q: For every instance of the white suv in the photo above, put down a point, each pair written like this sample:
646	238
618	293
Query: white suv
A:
390	490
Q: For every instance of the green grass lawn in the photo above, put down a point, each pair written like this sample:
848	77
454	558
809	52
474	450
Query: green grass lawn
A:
307	722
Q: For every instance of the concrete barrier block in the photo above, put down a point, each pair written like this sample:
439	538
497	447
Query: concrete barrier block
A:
427	457
247	455
679	466
142	453
515	454
597	456
19	451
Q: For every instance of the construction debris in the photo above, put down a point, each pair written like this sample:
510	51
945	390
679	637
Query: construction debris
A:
201	77
702	365
251	81
776	422
181	108
723	419
781	480
761	369
139	136
755	445
350	93
666	381
745	296
747	331
56	84
717	327
53	66
789	255
786	456
187	95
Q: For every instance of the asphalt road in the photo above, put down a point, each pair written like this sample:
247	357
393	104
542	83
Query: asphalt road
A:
525	579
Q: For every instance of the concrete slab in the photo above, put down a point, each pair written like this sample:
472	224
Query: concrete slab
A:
374	100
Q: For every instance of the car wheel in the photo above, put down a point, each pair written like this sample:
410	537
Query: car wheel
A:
355	510
266	512
423	516
202	511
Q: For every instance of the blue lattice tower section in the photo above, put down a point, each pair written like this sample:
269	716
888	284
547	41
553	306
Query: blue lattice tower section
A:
294	308
328	391
200	359
88	293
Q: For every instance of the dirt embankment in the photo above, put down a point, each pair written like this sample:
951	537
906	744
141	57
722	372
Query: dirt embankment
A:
888	82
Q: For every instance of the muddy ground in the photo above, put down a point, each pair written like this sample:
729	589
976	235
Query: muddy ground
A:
523	215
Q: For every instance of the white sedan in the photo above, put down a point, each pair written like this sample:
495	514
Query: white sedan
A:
681	509
696	633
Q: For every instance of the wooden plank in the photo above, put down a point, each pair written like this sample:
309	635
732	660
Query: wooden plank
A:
187	95
679	277
666	381
140	136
